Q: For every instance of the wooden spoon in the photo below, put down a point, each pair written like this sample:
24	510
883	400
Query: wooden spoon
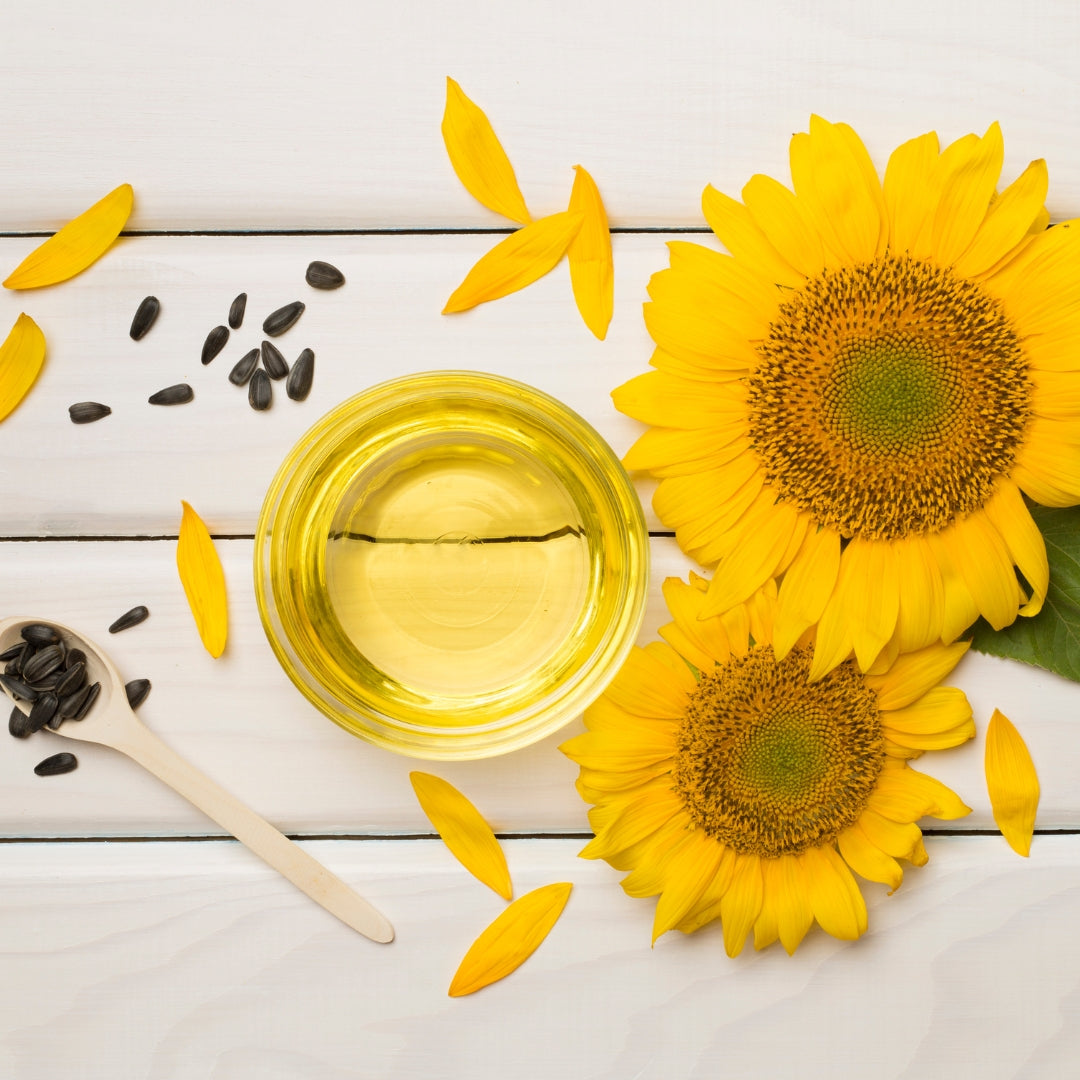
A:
111	722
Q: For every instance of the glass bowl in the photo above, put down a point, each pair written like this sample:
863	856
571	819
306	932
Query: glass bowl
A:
451	565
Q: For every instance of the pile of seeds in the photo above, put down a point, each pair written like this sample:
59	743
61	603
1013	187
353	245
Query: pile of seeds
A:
246	371
42	671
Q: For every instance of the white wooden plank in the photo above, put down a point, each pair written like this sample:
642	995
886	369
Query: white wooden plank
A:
242	722
126	474
192	960
255	114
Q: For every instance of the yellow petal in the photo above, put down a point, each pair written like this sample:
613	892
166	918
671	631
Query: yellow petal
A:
464	831
478	158
834	896
741	904
519	260
203	581
592	273
78	244
511	939
21	358
1011	782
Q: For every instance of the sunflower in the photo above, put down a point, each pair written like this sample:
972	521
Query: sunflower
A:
857	398
734	787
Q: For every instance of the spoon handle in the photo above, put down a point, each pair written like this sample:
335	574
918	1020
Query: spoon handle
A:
276	849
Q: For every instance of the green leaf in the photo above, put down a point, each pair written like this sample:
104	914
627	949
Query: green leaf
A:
1051	639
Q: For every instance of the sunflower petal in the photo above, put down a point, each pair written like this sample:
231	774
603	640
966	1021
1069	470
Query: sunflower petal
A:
741	904
21	358
690	871
591	267
1011	782
478	158
806	588
464	831
519	260
837	903
868	860
909	199
79	243
511	939
203	581
786	880
913	674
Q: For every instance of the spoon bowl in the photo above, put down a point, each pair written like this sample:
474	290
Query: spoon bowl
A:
111	721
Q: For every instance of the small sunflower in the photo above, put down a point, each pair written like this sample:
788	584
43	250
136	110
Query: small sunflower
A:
857	398
734	787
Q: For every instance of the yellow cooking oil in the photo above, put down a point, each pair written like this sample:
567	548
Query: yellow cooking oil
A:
451	565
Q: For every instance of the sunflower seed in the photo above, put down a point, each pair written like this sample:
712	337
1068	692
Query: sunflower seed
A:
260	391
299	383
17	688
215	342
180	394
243	368
49	682
57	764
277	322
70	705
13	667
43	662
91	697
71	680
86	412
236	311
40	634
321	275
19	724
277	367
129	619
75	656
43	710
137	691
144	317
15	652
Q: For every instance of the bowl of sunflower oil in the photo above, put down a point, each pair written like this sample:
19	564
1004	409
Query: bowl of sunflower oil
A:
451	565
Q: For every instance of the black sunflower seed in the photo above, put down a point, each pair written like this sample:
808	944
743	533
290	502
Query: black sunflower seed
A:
136	691
75	656
215	342
299	383
260	391
91	697
243	368
49	682
17	688
321	275
15	652
277	322
144	317
40	634
129	619
57	764
180	394
43	710
19	724
44	662
277	367
86	412
71	680
70	705
236	311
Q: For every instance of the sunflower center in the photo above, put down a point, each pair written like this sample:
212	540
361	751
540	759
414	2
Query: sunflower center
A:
889	398
770	764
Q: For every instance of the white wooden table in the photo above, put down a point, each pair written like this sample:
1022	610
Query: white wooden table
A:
135	941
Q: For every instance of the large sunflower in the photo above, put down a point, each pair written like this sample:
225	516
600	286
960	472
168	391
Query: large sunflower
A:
731	785
856	399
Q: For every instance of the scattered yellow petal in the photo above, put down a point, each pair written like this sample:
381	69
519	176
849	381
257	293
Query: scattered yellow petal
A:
511	939
592	272
1012	783
21	358
78	244
464	831
517	261
203	581
478	157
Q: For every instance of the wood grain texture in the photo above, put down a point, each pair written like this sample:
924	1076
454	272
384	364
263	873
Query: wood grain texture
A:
125	475
242	722
174	961
326	115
